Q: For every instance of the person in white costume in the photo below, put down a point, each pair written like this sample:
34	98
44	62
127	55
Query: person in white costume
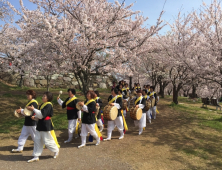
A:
115	100
44	128
72	112
89	119
29	127
140	102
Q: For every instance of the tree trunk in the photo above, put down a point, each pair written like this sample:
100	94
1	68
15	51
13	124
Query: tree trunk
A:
138	78
48	81
77	78
84	79
130	83
188	92
21	81
194	91
161	90
175	94
169	92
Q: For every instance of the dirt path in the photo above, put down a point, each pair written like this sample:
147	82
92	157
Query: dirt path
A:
159	147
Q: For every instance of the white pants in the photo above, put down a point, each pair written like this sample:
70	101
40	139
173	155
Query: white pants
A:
99	123
142	122
88	128
44	138
124	113
71	127
26	131
117	122
148	115
112	124
153	110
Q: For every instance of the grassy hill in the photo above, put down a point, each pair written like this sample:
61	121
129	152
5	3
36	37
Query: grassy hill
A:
14	97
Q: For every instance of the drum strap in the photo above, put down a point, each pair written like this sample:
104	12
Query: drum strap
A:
32	101
70	100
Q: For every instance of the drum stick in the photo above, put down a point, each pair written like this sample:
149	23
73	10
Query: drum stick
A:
60	92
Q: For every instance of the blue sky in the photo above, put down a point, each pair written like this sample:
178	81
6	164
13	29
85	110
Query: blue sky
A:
149	8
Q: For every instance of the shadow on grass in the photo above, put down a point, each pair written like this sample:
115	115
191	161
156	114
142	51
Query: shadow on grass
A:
177	131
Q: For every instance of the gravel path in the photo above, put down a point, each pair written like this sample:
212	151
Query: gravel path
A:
157	148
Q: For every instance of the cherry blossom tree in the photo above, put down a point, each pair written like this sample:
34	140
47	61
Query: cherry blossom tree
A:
177	47
207	60
77	31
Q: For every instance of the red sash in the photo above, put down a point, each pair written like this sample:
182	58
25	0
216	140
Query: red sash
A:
47	118
70	108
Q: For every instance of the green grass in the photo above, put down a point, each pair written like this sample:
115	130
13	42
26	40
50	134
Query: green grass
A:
196	152
15	124
59	120
204	117
15	95
104	90
214	124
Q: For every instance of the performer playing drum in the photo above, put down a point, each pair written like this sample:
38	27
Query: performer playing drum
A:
153	95
72	112
124	100
114	100
140	103
146	97
29	127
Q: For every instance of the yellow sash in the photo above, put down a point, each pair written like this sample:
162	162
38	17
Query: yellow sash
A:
52	131
90	101
77	126
32	102
97	131
114	98
119	96
145	97
138	99
43	105
97	98
70	100
125	89
124	121
157	111
54	137
152	93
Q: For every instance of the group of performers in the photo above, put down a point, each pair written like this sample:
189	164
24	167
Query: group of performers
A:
40	126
